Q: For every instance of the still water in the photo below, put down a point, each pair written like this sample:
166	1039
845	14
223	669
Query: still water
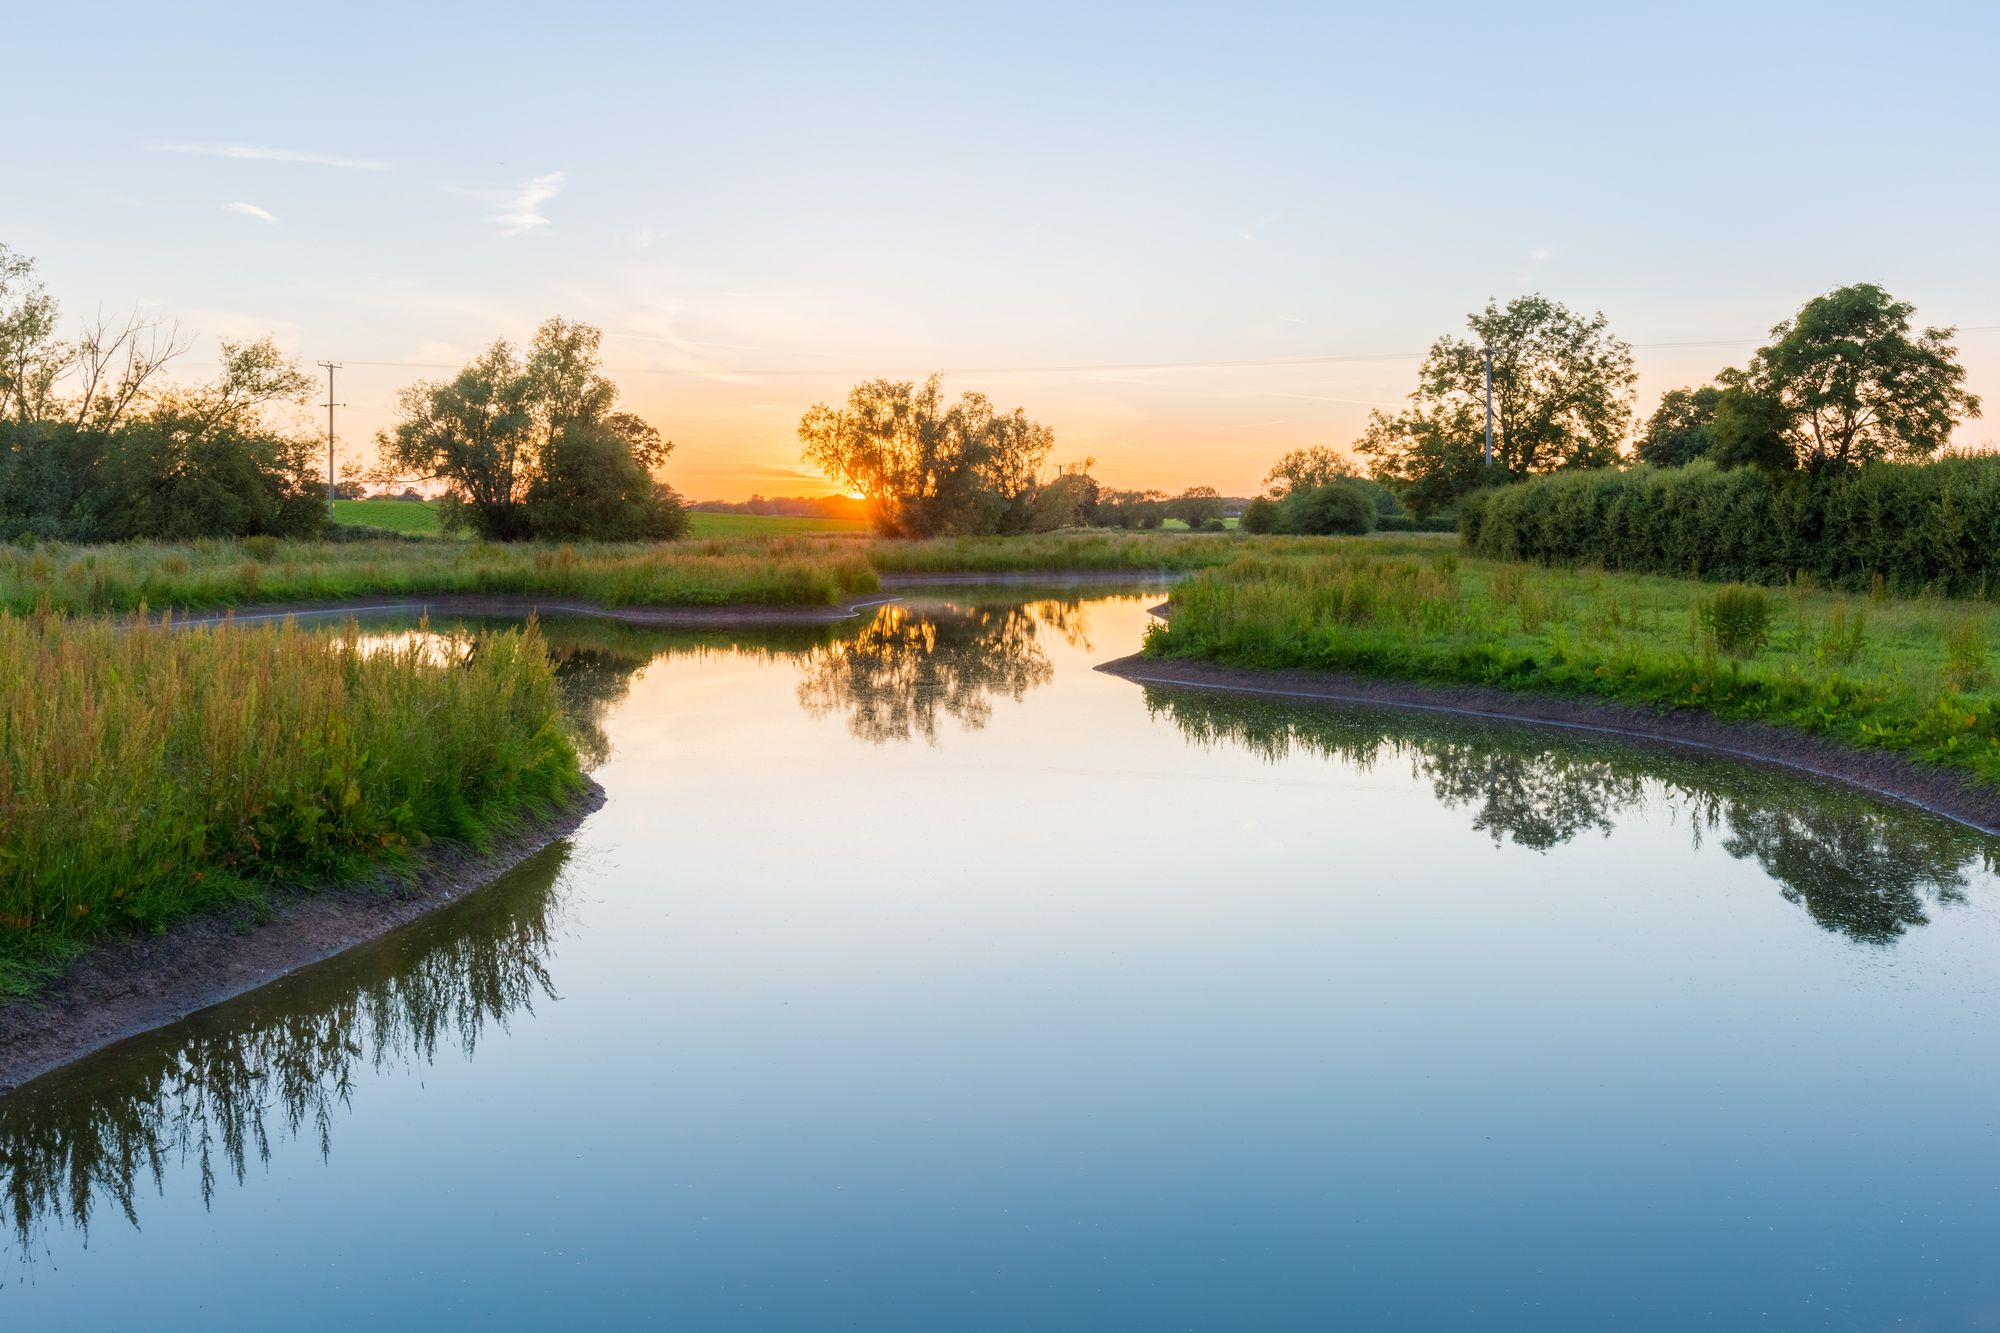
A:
917	976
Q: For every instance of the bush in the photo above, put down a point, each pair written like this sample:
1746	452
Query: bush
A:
1913	525
1337	508
1260	516
1736	619
1412	523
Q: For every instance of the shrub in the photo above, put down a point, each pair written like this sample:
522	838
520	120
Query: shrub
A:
1913	525
1337	508
1737	619
1261	515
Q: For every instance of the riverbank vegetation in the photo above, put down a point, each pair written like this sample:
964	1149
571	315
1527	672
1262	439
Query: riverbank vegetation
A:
205	575
1913	677
149	774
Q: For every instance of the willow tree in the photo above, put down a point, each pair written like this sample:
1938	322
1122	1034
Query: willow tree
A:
926	466
1562	398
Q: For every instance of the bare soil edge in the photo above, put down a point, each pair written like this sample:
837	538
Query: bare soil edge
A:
126	987
1938	791
693	617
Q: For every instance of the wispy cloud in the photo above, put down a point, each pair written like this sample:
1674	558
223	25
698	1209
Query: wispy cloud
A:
251	211
521	212
254	153
1541	254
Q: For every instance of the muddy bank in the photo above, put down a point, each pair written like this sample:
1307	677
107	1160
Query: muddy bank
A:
125	987
1884	775
694	617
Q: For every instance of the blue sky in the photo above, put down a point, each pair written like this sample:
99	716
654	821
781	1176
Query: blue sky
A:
848	191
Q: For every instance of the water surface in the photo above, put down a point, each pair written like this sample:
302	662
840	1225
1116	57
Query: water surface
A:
916	976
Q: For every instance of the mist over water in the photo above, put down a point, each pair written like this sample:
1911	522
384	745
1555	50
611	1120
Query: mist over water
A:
915	975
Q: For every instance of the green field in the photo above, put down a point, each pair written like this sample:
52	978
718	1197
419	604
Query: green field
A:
417	516
420	517
710	526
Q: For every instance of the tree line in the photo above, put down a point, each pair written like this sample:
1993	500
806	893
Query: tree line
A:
1848	380
98	444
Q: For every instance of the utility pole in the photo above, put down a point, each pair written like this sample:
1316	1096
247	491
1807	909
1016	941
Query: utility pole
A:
1489	405
331	405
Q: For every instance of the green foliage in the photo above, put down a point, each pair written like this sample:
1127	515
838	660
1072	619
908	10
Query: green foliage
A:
1562	398
531	448
1308	469
1748	430
928	467
1337	508
1736	619
1261	515
1934	525
1918	687
1196	506
1678	431
1415	523
201	575
411	516
1846	381
591	487
154	773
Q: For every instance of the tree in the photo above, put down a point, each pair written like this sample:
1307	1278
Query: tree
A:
1678	432
592	485
927	467
1196	506
1847	382
522	441
1131	509
1562	398
1261	515
1748	430
1337	508
1304	469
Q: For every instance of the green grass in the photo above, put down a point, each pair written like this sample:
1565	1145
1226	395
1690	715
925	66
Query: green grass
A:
207	575
1078	549
719	526
147	774
418	517
1908	676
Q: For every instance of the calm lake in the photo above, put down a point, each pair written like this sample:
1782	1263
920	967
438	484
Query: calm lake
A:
917	976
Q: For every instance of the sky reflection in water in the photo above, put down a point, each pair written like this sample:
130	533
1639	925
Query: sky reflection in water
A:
917	976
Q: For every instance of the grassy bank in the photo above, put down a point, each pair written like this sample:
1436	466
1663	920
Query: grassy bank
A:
420	518
1079	550
1914	677
147	774
205	575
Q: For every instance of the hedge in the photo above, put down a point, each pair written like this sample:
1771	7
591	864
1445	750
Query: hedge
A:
1916	526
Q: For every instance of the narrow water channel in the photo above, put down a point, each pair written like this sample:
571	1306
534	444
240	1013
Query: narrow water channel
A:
917	976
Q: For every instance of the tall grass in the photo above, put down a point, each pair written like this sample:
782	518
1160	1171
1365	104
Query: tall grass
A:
1907	676
147	774
1085	550
203	575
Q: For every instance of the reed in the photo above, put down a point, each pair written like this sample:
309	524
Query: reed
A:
147	774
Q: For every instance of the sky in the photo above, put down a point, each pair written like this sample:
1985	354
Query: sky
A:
763	205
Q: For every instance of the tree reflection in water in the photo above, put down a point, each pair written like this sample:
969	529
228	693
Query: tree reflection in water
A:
896	677
1864	868
218	1089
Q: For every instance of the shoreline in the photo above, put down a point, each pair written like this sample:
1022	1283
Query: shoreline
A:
121	988
1886	776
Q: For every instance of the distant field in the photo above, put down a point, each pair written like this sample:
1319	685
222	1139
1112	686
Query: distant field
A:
420	516
396	515
766	525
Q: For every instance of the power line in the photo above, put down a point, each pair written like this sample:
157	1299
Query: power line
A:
1078	368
